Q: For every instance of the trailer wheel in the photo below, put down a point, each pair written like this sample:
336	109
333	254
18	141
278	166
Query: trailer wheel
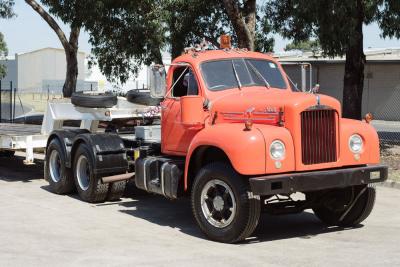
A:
222	205
346	207
116	190
90	187
60	178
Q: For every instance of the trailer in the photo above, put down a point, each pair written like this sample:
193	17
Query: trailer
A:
30	138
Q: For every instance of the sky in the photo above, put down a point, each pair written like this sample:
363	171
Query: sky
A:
28	31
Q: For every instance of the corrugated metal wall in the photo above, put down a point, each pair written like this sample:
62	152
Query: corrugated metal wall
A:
381	94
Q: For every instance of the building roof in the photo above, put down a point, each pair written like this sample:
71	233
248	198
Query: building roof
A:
378	55
46	48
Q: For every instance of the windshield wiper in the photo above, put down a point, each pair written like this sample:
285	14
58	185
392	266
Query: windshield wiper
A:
259	75
236	76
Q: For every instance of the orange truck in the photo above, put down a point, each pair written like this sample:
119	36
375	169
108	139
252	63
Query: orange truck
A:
236	138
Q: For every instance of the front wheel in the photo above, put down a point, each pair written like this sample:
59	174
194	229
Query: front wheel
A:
346	207
222	205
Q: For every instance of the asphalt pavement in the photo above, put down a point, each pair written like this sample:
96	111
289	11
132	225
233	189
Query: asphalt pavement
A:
38	228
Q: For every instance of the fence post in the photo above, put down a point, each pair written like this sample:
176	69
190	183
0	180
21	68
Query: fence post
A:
1	103
11	120
15	93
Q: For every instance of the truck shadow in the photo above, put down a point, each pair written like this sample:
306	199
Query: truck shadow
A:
13	169
178	215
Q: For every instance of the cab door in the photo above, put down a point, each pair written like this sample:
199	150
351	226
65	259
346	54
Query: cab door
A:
175	137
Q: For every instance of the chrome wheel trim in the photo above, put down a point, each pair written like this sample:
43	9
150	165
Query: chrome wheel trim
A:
218	203
83	172
55	166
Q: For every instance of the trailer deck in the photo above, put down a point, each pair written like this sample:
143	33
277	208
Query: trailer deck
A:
27	137
22	137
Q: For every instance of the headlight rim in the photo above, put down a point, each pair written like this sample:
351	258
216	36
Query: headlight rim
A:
362	144
284	150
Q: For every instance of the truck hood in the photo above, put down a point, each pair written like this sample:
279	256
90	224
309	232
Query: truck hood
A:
260	100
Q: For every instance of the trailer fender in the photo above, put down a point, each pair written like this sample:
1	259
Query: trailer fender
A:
108	152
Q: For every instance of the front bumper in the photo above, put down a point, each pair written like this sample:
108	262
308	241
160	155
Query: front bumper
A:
317	180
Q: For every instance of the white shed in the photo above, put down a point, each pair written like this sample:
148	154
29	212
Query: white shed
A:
45	69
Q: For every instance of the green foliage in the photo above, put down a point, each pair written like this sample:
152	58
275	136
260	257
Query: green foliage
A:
389	18
332	23
126	34
6	12
3	54
305	46
6	9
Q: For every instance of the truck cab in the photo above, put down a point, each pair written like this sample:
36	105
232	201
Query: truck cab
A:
236	138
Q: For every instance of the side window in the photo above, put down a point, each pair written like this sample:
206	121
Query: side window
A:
184	82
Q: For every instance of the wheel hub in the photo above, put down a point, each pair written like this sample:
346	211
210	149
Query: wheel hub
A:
55	166
218	203
83	173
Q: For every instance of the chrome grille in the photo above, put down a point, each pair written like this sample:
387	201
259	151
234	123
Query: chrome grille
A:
318	136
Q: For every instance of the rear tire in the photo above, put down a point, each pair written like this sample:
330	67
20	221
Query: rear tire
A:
338	201
116	190
222	205
90	187
60	178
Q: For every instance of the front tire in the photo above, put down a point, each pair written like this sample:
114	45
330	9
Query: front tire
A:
222	205
59	177
90	187
346	207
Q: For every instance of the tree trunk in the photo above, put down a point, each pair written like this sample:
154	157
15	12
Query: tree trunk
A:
70	47
72	72
243	23
354	70
71	56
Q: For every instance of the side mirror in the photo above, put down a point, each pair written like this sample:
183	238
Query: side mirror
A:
157	81
192	113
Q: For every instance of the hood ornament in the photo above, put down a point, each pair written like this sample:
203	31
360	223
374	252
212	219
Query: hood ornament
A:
318	100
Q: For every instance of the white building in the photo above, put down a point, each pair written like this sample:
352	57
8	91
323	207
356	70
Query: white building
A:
44	70
138	81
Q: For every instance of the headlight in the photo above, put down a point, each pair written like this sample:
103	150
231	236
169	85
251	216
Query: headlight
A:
277	150
356	143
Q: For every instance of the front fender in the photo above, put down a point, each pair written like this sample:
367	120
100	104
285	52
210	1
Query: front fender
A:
370	153
246	150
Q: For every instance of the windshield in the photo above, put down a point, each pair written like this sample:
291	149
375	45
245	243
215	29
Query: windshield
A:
233	73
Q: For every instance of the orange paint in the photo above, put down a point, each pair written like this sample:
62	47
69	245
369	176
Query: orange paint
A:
223	122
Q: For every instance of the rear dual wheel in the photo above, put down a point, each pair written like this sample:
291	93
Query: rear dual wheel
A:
63	180
59	177
222	205
89	186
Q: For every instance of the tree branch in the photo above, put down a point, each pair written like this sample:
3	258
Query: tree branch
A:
52	23
244	34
